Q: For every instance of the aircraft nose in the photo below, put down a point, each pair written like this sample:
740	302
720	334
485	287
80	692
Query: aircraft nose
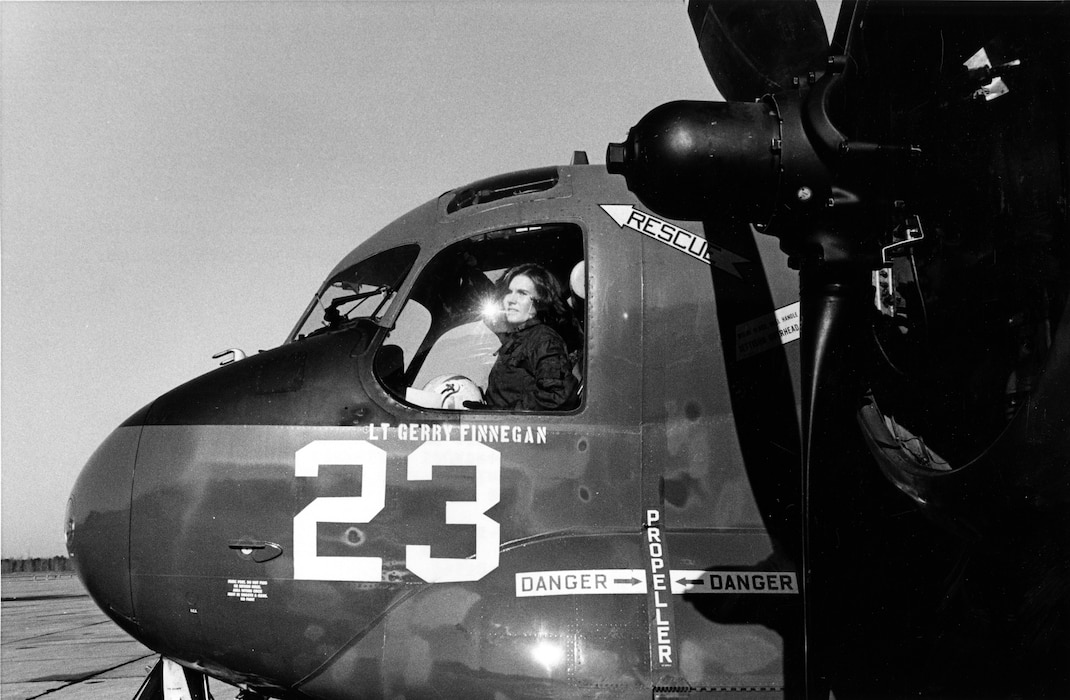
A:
98	524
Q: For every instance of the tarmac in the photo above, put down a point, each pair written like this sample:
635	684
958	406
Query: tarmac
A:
55	643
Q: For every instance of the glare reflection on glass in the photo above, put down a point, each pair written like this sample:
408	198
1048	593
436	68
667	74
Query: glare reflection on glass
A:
548	654
491	309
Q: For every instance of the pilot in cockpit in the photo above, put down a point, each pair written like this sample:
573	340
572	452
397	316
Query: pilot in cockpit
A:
533	369
520	337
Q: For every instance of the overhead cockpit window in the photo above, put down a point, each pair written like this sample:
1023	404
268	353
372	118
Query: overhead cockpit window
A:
495	322
363	291
503	186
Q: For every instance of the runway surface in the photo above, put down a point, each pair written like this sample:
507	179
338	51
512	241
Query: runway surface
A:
56	644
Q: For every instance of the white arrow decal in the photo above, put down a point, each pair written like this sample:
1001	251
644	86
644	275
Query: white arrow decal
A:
625	215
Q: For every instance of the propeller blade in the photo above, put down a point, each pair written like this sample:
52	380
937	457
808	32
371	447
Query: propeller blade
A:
755	47
833	309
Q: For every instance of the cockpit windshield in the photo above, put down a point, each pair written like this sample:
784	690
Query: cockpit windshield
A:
363	291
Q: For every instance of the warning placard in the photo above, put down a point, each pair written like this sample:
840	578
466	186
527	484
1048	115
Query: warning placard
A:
531	584
698	581
768	332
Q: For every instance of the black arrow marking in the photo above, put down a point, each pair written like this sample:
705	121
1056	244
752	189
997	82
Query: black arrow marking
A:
692	582
629	581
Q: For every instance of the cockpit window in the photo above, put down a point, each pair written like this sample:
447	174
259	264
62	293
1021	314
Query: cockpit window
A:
448	338
363	291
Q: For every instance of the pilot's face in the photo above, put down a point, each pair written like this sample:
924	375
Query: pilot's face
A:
519	301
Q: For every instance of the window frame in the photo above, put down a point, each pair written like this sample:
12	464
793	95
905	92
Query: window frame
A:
409	292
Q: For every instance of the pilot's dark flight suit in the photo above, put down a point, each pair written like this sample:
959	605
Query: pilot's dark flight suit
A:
532	372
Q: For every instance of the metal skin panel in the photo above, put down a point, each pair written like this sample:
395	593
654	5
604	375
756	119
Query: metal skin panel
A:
216	485
307	383
694	393
691	455
227	577
98	524
473	640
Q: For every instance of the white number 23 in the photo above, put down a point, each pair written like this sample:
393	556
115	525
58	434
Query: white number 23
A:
371	460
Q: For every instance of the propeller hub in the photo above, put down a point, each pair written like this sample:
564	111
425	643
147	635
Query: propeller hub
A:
687	159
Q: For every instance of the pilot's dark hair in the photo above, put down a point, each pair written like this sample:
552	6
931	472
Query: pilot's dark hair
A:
550	301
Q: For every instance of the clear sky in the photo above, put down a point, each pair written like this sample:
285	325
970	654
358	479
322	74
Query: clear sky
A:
178	178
